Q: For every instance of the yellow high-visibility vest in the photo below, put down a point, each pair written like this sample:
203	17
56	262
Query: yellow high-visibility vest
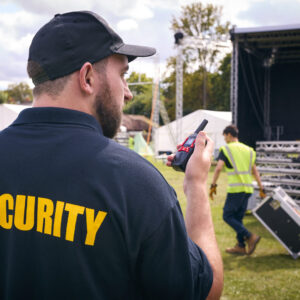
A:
242	159
131	143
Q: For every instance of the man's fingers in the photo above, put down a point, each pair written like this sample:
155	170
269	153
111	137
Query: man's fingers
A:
200	140
170	159
209	144
204	143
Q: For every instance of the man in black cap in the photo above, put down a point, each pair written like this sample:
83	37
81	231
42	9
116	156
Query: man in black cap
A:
82	217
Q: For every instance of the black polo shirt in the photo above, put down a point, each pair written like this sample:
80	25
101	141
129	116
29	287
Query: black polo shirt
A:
82	217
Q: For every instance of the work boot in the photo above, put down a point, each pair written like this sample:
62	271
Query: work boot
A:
252	241
236	250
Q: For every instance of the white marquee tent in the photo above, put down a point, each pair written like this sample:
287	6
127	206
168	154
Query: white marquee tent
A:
8	113
217	121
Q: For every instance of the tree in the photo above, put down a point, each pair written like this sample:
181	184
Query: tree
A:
3	97
141	103
201	22
19	93
192	87
168	88
220	86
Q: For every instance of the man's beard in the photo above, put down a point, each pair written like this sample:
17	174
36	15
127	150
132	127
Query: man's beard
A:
108	112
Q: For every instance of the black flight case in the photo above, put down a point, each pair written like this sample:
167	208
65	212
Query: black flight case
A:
280	214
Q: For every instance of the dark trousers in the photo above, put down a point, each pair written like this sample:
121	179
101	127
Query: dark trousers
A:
233	214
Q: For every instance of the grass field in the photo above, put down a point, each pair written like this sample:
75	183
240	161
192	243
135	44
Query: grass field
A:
270	273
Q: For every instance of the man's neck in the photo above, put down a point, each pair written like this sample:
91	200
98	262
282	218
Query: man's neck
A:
61	102
234	140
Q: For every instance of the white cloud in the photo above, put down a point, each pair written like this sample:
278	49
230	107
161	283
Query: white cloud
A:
166	4
54	6
145	22
19	23
16	32
18	46
272	12
138	9
139	12
127	24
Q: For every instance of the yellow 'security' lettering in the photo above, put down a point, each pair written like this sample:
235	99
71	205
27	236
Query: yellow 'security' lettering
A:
74	211
59	209
44	214
22	221
93	225
21	213
6	203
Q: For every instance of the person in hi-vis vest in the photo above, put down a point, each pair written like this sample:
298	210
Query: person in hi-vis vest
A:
239	161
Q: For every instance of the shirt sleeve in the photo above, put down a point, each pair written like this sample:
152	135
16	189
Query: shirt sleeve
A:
171	265
225	159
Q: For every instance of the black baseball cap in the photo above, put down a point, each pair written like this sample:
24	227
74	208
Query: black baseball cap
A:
69	40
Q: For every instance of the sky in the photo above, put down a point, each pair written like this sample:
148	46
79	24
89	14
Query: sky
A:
141	22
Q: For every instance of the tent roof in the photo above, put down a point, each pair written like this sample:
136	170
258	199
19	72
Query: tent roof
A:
17	108
9	112
135	122
217	121
222	115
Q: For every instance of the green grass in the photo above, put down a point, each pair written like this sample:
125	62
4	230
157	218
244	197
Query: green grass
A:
269	273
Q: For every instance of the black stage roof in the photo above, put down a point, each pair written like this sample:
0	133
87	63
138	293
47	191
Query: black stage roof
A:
280	42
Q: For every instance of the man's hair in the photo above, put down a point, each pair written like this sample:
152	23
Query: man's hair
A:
54	87
232	129
50	87
100	66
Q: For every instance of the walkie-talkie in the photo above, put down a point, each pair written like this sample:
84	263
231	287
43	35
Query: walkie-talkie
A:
186	149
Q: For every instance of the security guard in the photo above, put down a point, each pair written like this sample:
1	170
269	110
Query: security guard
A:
239	160
82	217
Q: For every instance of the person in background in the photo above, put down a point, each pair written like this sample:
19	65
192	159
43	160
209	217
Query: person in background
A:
131	142
239	161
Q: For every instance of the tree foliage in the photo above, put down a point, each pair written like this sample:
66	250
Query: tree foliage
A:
203	33
201	22
204	86
19	93
218	89
3	97
141	104
220	86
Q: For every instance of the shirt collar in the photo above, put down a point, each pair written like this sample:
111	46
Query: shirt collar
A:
57	115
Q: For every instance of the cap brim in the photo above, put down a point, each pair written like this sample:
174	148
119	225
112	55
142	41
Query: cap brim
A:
133	51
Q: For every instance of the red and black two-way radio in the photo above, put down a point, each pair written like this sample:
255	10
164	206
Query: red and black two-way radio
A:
186	149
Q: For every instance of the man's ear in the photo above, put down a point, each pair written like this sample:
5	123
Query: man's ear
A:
87	78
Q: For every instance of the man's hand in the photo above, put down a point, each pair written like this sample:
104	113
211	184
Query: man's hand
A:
262	193
212	191
170	159
198	218
197	168
199	163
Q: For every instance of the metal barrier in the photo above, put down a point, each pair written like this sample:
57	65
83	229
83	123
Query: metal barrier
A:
279	165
